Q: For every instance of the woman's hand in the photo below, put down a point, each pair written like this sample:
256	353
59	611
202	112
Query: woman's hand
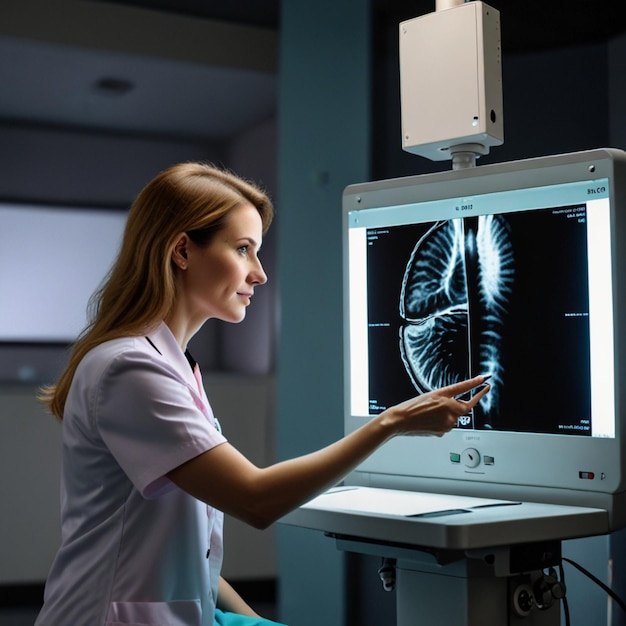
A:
435	412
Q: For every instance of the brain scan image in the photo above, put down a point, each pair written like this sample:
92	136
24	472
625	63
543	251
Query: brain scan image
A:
454	301
504	294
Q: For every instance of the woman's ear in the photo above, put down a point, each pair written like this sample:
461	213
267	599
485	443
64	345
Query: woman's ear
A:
179	254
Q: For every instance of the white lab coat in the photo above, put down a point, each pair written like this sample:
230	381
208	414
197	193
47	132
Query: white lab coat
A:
135	548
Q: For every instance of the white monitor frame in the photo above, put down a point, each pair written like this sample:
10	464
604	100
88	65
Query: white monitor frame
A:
551	468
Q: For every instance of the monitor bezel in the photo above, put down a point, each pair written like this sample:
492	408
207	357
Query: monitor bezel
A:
550	469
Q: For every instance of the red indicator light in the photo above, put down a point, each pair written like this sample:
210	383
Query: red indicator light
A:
587	475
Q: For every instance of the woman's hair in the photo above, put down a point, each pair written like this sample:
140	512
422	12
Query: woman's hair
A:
139	292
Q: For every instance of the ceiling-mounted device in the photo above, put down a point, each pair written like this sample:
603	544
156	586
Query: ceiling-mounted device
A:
451	83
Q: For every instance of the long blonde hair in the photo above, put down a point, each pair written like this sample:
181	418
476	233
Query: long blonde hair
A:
191	198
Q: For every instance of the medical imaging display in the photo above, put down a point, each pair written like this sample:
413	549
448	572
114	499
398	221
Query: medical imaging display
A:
504	294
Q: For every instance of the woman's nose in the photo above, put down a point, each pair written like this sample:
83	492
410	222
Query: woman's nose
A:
258	275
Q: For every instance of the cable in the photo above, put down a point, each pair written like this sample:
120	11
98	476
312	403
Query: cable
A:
564	599
598	582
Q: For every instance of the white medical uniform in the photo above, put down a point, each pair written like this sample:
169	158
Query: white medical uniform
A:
135	548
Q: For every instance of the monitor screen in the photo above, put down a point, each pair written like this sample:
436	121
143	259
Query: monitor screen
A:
508	270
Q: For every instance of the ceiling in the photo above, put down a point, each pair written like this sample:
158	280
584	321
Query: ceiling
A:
264	13
166	69
200	68
534	24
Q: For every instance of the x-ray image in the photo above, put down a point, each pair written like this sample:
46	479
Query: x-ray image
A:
505	295
454	300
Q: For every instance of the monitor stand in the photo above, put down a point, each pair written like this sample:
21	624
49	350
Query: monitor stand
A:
450	587
457	560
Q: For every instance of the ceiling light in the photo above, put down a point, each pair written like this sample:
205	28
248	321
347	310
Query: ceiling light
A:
111	86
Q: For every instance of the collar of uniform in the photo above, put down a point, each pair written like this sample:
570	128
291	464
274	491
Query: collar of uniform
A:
165	342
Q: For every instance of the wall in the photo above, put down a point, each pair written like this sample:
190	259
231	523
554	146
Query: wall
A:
56	164
614	549
30	465
323	146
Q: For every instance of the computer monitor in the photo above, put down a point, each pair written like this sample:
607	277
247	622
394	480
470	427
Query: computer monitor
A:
512	270
52	258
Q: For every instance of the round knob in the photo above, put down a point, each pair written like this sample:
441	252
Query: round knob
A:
470	457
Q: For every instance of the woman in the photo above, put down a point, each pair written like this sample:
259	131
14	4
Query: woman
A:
147	474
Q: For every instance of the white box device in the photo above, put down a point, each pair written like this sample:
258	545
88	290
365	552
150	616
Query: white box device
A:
451	81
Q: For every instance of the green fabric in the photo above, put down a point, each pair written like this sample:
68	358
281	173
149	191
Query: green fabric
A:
234	619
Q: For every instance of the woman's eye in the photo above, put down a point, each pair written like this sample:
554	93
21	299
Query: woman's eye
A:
243	250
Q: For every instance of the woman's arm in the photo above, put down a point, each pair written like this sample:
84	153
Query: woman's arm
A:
225	479
229	600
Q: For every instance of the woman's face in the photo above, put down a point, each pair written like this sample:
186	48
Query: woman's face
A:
219	279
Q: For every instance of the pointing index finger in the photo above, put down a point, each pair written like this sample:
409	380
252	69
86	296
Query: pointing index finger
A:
471	393
465	387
